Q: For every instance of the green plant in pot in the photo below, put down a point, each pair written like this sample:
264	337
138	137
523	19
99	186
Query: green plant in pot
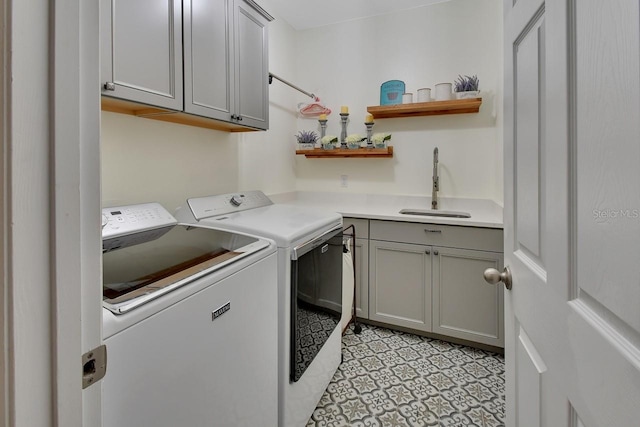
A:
353	141
467	87
380	139
328	142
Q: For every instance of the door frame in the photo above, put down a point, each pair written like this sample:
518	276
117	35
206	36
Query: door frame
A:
50	165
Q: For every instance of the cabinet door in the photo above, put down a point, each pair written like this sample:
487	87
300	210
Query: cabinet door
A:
208	58
400	284
252	67
361	227
464	305
362	278
141	51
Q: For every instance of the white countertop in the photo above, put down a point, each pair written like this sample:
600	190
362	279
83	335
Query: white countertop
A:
484	213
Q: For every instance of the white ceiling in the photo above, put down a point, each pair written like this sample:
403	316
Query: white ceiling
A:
305	14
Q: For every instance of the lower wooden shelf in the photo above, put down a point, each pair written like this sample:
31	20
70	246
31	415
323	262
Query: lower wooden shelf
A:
345	152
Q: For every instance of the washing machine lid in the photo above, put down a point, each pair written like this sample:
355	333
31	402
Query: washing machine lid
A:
142	266
285	224
254	213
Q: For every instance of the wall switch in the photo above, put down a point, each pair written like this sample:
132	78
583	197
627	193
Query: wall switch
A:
344	180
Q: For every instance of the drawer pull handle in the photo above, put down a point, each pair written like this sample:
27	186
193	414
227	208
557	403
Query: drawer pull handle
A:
428	230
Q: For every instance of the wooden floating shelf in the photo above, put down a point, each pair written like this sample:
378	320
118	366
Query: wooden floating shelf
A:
121	106
433	108
380	153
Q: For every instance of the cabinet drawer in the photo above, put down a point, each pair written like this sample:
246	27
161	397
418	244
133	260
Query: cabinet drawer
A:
361	225
488	239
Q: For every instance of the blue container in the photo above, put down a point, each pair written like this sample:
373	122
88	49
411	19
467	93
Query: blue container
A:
391	92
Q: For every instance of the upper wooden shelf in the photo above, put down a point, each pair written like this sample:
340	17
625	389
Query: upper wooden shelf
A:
346	152
433	108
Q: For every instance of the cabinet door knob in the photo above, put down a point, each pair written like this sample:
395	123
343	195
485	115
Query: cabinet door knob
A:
435	252
109	86
427	252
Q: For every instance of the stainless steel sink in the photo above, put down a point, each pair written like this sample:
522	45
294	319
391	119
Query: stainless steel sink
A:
431	212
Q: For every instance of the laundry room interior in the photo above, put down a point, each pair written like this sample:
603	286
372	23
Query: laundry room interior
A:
424	313
338	213
343	63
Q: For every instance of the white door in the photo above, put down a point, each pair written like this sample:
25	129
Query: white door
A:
572	212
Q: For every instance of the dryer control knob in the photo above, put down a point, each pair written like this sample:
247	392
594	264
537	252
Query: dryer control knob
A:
236	200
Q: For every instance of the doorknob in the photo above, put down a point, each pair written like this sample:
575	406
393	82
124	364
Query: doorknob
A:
493	276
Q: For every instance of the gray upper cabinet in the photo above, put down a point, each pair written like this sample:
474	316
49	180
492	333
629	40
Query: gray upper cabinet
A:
208	58
141	59
252	66
226	61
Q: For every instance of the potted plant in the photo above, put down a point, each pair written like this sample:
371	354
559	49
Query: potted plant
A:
467	87
307	139
353	141
380	139
328	141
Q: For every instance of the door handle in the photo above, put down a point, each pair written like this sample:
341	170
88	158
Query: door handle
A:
493	276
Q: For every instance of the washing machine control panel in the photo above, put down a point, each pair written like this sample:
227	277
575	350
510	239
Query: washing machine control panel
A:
223	204
124	220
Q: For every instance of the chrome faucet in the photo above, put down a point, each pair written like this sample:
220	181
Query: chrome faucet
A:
436	180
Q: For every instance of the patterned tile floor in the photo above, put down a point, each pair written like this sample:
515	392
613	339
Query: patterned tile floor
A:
391	378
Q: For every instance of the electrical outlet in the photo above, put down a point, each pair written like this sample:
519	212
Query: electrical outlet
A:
344	181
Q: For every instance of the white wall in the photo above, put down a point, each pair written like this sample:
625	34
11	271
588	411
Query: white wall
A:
267	160
147	160
346	63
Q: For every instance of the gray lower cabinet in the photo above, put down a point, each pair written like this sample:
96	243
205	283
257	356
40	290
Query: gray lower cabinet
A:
226	61
362	265
464	305
400	284
141	59
429	277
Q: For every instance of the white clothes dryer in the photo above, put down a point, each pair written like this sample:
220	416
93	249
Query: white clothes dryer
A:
309	288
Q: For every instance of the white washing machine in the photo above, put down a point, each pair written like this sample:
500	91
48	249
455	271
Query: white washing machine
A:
309	288
189	322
